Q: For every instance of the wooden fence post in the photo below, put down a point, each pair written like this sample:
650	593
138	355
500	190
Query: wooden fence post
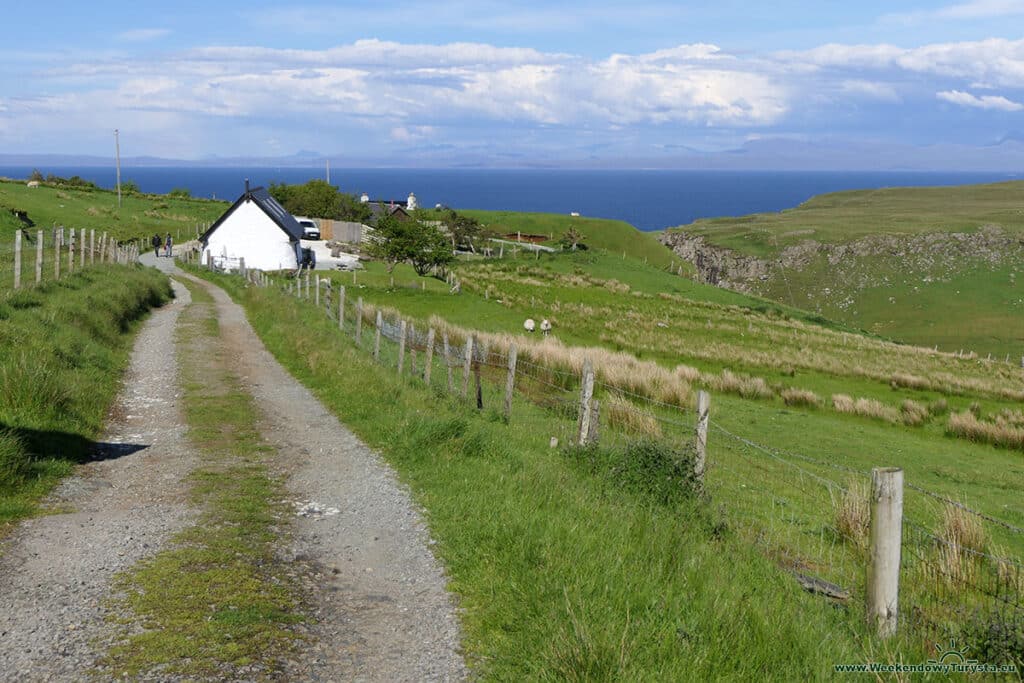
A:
401	346
510	382
428	363
466	366
885	542
39	262
307	284
341	307
448	362
317	301
586	394
595	422
81	249
241	267
359	321
92	246
71	253
376	336
703	415
17	259
56	256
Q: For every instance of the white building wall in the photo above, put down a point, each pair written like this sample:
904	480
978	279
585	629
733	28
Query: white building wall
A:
251	234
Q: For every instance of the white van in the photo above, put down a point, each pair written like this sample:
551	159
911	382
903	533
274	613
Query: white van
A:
310	230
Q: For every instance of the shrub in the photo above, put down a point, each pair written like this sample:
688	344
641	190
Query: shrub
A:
647	468
996	637
966	425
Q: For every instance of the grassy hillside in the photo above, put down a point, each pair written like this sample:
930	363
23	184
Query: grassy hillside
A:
63	346
927	266
846	216
138	216
616	237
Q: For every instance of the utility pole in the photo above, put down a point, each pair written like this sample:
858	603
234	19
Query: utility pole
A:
328	171
117	151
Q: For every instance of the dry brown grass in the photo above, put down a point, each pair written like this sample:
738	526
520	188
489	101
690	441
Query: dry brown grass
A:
914	414
853	514
865	407
967	425
626	416
962	537
903	379
800	397
741	385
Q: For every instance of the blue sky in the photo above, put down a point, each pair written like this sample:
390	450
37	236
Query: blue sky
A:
461	82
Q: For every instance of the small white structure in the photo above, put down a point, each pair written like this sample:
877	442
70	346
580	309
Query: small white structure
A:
257	229
364	198
529	325
410	203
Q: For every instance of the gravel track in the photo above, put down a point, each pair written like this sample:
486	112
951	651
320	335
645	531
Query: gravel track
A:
56	570
378	595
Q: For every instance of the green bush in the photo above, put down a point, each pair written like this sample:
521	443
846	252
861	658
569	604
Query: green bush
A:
649	469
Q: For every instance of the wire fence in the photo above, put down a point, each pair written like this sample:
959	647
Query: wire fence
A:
960	570
32	257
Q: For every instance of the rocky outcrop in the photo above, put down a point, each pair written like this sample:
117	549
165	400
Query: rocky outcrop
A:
728	268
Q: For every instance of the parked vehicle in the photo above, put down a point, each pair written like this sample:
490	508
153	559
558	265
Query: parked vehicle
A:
310	230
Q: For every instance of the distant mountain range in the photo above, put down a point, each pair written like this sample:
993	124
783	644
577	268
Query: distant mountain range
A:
1007	155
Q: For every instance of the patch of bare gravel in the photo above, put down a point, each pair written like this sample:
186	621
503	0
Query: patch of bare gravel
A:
55	571
380	606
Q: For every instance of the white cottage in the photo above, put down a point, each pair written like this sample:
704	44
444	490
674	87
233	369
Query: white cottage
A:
257	229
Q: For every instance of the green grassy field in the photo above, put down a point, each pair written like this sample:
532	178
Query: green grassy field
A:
139	216
909	291
615	237
846	216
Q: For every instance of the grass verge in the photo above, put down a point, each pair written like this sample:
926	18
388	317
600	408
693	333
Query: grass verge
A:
215	603
63	348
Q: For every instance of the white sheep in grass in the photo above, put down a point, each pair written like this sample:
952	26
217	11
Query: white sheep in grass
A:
545	326
529	325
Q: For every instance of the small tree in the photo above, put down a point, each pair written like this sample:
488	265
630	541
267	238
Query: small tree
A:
573	239
36	175
432	250
182	192
393	241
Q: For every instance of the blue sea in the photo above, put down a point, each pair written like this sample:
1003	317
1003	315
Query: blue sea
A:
650	200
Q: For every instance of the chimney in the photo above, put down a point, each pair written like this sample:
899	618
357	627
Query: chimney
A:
247	186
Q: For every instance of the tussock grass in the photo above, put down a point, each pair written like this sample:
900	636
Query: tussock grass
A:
914	414
852	514
967	425
741	385
962	537
865	407
624	415
800	397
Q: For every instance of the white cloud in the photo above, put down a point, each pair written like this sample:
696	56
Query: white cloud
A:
883	92
966	99
142	35
996	60
982	9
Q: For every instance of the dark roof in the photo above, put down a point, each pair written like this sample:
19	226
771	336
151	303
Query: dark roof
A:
389	208
268	205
